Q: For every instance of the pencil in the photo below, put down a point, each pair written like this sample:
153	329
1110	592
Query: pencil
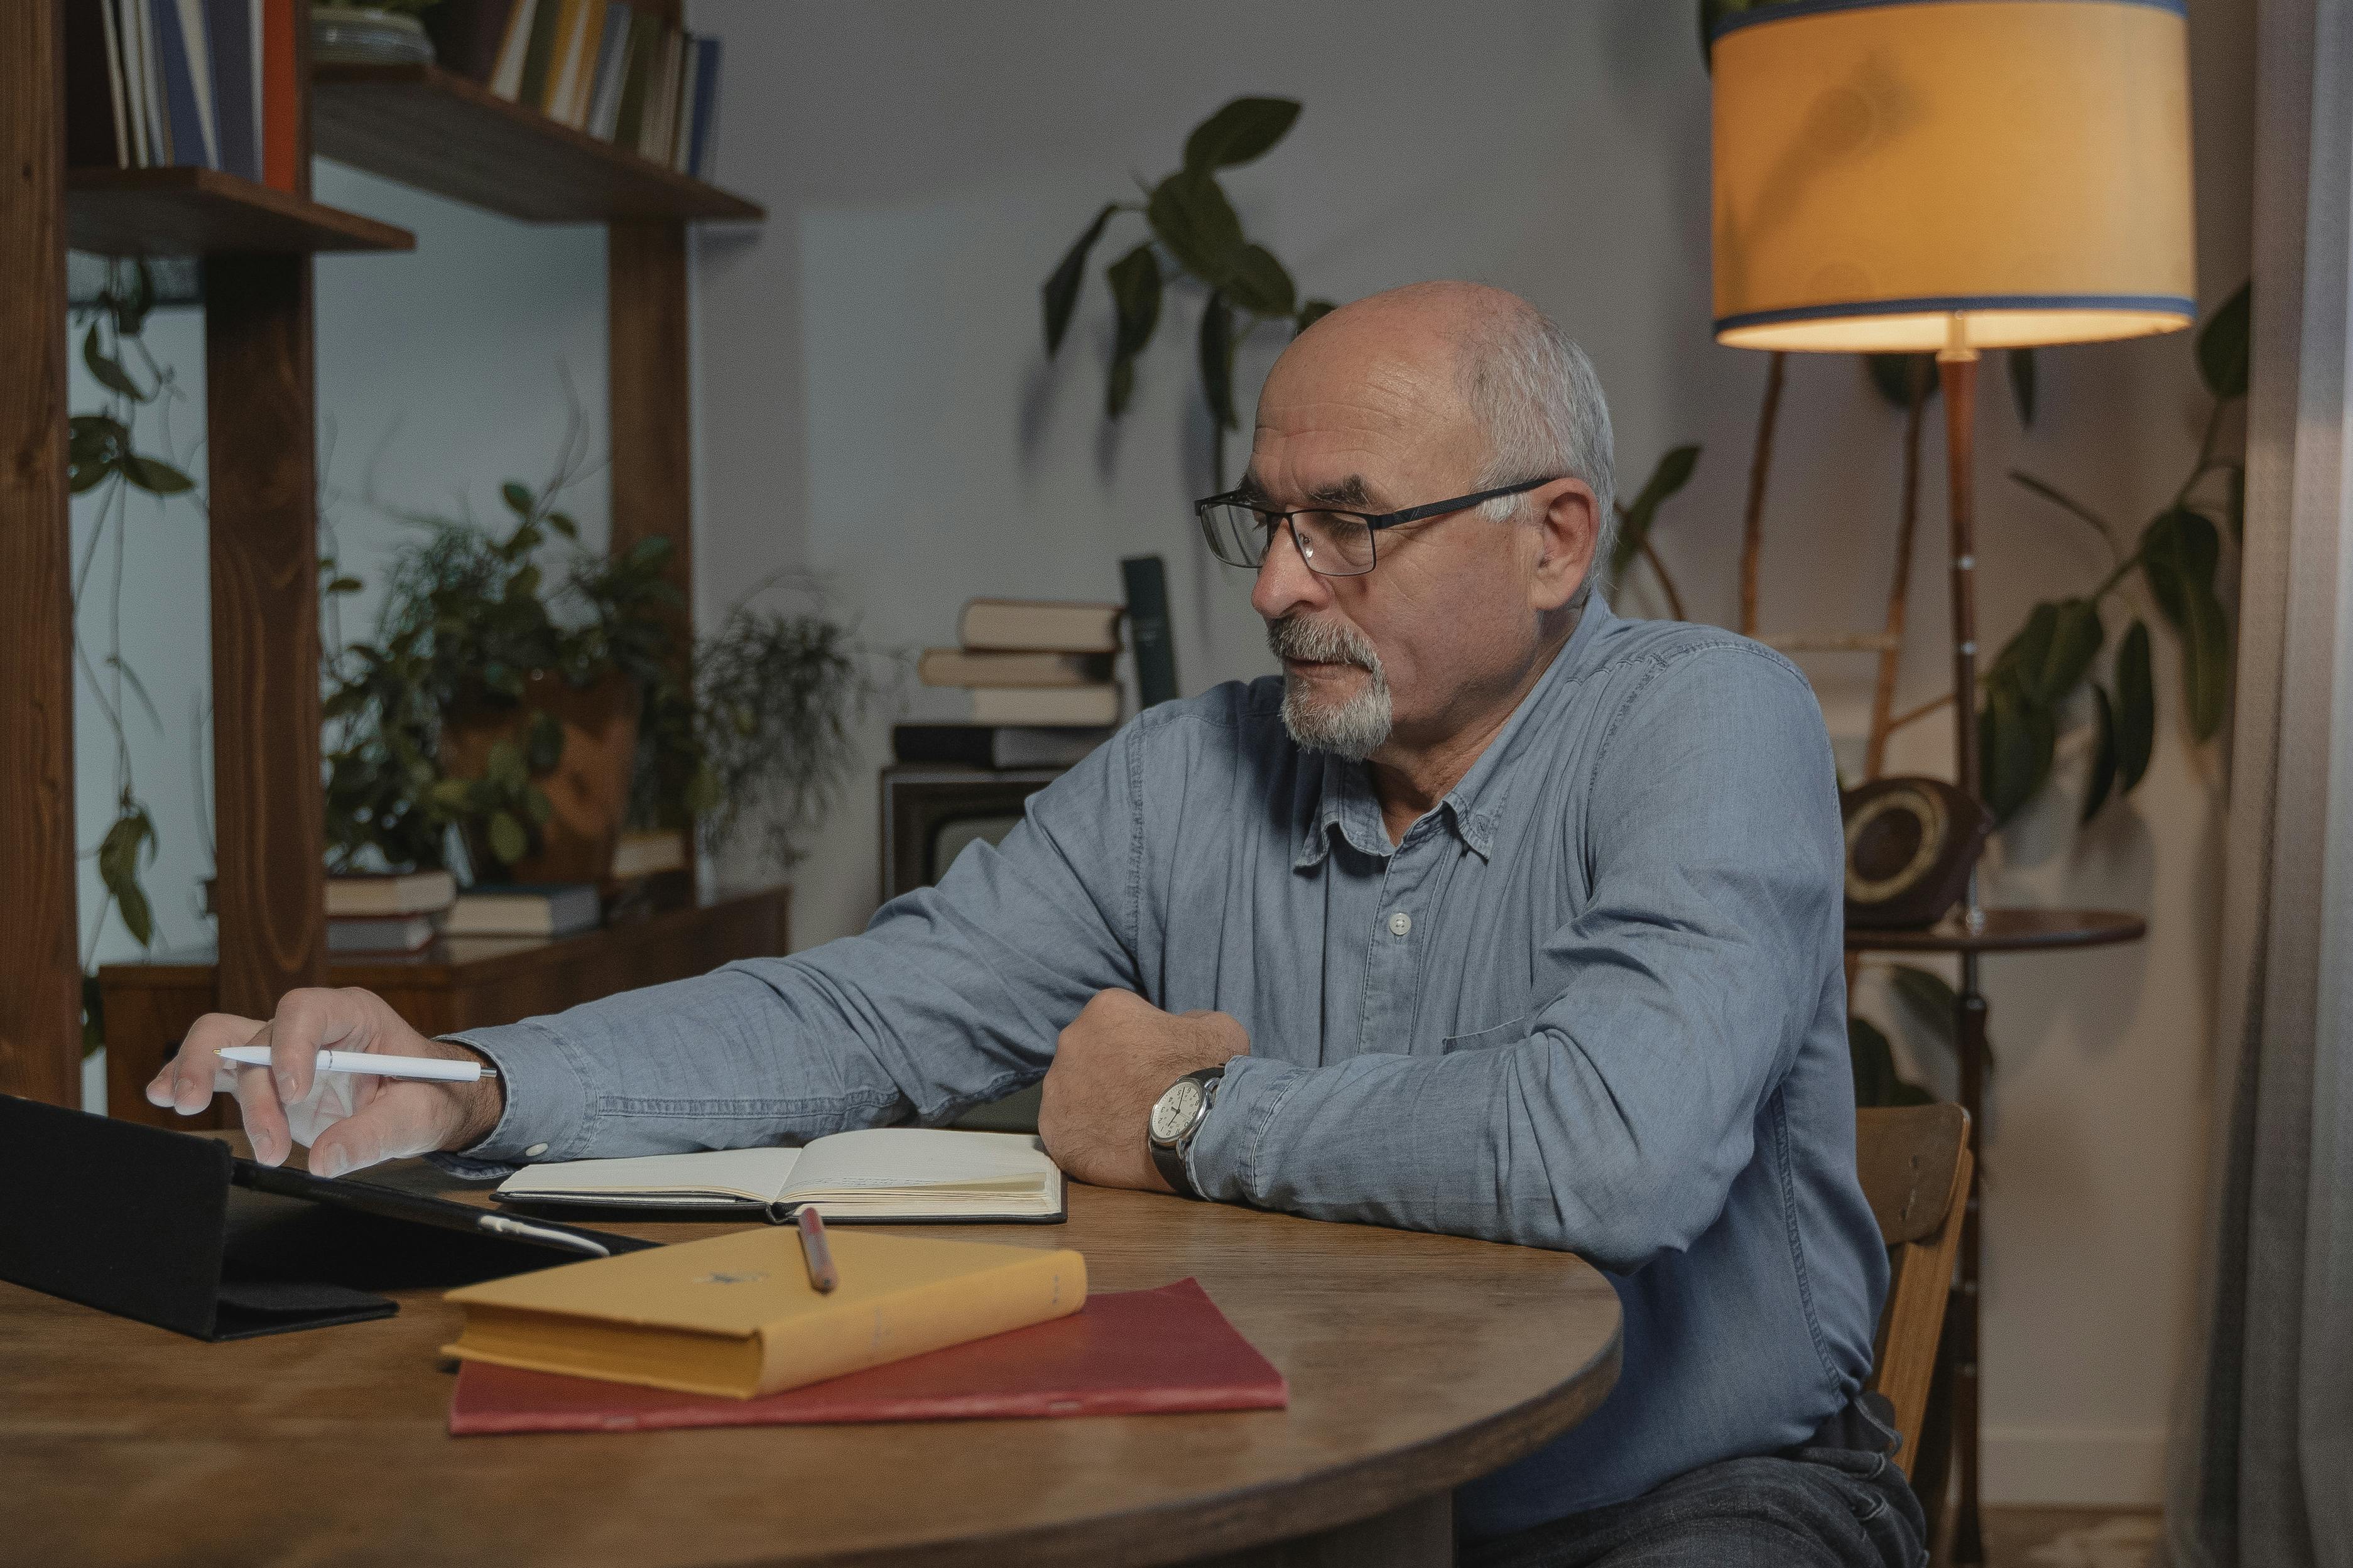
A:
814	1251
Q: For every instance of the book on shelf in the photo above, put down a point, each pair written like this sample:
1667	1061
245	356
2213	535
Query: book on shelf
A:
514	42
928	1174
378	895
383	933
629	114
1046	704
539	47
701	147
642	852
996	745
653	1317
1147	578
152	83
283	104
961	666
612	61
467	36
525	909
1044	626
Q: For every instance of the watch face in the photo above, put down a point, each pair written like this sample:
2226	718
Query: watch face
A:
1174	1110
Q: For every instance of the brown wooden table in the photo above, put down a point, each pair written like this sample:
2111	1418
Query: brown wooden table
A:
1415	1363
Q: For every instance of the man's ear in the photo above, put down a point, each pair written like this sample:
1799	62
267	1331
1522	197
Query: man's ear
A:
1568	526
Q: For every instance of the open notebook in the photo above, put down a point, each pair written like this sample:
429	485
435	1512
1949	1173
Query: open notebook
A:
909	1173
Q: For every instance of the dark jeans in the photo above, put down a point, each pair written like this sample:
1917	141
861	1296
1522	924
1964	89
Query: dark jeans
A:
1815	1507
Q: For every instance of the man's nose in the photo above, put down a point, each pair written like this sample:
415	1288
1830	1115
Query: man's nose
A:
1284	582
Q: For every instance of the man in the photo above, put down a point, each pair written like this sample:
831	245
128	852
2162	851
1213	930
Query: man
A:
1496	915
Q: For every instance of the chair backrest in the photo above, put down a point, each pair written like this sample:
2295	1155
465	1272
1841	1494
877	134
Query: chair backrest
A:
1914	1164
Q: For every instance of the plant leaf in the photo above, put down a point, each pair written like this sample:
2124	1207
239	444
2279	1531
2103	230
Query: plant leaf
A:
2104	758
1259	285
544	742
1242	131
1194	220
155	476
2222	345
517	495
563	524
2021	383
2075	637
1891	374
118	868
1874	1061
537	807
130	309
2136	707
1928	999
508	840
506	768
108	370
1135	290
2178	551
2205	659
1217	350
1634	523
1059	292
345	585
2015	740
2064	502
1314	311
93	1016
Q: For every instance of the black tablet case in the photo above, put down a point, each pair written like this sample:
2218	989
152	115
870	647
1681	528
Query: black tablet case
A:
174	1229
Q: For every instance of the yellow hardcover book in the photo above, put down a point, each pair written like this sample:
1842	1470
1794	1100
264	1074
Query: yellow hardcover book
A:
735	1314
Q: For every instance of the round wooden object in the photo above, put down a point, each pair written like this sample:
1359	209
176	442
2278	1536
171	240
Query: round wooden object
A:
2007	930
1415	1363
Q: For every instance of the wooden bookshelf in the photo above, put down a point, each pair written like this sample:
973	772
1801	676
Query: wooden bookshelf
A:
440	131
203	212
427	129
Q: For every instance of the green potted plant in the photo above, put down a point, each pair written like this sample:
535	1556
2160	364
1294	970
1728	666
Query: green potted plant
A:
537	697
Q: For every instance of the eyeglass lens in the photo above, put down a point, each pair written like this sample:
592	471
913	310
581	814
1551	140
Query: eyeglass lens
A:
1335	543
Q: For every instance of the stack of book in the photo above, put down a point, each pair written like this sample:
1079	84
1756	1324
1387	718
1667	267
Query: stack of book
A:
202	83
526	908
1039	675
399	911
615	71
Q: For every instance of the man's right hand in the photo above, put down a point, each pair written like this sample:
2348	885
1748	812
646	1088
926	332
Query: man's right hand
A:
347	1120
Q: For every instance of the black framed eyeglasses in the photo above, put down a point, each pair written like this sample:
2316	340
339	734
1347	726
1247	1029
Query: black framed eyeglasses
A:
1332	542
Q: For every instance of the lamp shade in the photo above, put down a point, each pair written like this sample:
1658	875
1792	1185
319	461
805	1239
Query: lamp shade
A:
1885	166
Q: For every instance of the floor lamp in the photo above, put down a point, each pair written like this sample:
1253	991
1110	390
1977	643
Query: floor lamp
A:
1949	176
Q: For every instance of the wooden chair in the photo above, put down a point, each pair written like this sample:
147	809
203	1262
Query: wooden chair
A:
1914	1164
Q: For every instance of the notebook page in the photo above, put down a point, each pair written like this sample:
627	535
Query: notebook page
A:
916	1159
756	1176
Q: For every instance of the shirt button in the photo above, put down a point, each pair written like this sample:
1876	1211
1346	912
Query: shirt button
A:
535	1151
1400	923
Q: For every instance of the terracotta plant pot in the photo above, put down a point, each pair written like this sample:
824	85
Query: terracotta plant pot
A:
589	786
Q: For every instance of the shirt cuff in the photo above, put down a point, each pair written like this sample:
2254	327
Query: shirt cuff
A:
545	1114
1224	1159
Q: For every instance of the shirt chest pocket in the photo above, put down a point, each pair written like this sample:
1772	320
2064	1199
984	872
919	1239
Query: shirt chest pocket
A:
1486	1039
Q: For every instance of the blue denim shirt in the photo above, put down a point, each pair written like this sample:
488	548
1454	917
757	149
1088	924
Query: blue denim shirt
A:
1592	1001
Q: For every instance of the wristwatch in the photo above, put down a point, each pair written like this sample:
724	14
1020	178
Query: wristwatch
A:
1177	1116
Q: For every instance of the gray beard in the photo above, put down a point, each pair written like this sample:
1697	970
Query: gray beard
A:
1354	728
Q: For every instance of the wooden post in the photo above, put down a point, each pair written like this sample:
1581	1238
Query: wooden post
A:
651	400
269	805
40	981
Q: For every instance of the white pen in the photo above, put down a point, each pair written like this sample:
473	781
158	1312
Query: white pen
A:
440	1069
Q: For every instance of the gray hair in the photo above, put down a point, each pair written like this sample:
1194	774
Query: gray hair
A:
1536	394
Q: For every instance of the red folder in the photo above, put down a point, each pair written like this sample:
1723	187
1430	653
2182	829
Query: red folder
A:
1123	1354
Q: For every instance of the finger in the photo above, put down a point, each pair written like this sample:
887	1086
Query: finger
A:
189	1079
306	1022
403	1119
258	1105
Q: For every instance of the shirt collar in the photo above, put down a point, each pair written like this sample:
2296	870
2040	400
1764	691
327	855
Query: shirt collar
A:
1476	805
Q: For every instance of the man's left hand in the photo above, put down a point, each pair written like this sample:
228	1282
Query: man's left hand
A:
1117	1057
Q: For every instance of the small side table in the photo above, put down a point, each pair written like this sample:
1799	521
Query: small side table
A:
2001	930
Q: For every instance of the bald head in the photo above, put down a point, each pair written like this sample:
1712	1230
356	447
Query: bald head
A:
1481	360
